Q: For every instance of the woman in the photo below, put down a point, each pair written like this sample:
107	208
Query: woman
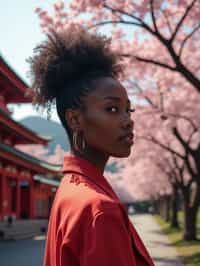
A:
88	224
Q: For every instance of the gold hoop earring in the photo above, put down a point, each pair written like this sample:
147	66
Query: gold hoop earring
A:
76	142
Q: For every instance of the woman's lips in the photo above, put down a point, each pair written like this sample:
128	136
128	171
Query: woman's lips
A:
127	139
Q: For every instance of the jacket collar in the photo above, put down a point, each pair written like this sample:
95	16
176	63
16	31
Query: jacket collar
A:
75	164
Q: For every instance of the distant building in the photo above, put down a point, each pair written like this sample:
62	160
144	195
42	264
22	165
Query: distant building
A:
27	186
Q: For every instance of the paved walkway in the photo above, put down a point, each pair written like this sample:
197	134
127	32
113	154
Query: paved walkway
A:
158	245
28	252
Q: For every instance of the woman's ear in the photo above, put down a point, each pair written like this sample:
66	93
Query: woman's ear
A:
74	119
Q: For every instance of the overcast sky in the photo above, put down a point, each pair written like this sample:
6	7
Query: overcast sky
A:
20	33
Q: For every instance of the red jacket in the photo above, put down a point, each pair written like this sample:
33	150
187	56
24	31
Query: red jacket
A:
88	224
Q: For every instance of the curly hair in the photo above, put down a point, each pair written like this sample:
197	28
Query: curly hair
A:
64	66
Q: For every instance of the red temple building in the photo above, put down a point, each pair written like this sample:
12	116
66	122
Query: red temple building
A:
27	184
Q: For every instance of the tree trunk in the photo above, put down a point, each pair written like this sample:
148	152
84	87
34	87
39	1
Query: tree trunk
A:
189	76
161	207
168	197
174	209
190	230
190	216
166	208
156	206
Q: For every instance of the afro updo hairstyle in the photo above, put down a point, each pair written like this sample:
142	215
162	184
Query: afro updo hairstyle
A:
65	64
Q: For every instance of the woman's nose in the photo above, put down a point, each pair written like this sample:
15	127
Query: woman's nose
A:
127	122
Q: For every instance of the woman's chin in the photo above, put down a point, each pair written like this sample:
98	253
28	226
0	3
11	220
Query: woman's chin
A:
122	154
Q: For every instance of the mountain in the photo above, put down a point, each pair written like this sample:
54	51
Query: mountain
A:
47	128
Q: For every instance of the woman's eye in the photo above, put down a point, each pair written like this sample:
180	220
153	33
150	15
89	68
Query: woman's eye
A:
112	109
115	109
130	110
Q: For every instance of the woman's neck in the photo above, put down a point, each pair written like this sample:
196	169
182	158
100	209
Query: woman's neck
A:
97	160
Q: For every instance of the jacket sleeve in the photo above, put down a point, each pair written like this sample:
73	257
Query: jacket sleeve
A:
107	241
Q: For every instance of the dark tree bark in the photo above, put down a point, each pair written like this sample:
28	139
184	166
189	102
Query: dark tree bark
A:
190	230
167	208
190	215
174	208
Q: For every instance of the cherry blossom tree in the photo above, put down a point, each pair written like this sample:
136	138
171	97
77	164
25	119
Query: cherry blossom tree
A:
162	40
174	173
36	150
174	127
41	152
119	185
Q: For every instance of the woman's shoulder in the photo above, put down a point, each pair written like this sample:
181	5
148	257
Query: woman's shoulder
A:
82	195
79	203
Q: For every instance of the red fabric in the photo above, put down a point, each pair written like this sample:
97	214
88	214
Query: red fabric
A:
88	224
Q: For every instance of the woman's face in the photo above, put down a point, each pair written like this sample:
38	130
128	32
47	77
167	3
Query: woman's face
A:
107	125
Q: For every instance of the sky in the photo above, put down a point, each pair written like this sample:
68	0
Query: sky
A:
20	33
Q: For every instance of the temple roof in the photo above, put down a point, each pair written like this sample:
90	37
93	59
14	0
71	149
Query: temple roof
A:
9	153
44	180
13	86
5	60
28	136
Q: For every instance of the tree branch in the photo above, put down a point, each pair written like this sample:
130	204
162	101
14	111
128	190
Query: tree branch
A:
190	137
153	140
141	22
189	167
163	169
187	38
145	97
179	67
153	16
180	169
182	141
114	10
181	20
167	20
173	174
151	61
112	22
185	118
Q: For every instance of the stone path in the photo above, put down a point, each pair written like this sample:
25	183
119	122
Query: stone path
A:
158	245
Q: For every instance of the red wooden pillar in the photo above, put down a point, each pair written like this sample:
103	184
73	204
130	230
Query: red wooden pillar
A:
18	199
31	195
4	200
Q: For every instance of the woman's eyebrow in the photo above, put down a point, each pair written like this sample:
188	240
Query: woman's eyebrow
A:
115	98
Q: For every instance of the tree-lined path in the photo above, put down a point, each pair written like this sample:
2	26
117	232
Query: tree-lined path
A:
157	243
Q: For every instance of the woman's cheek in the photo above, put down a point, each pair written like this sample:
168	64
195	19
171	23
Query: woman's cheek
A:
100	125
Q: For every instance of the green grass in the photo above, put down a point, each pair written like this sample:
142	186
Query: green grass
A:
189	251
180	217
